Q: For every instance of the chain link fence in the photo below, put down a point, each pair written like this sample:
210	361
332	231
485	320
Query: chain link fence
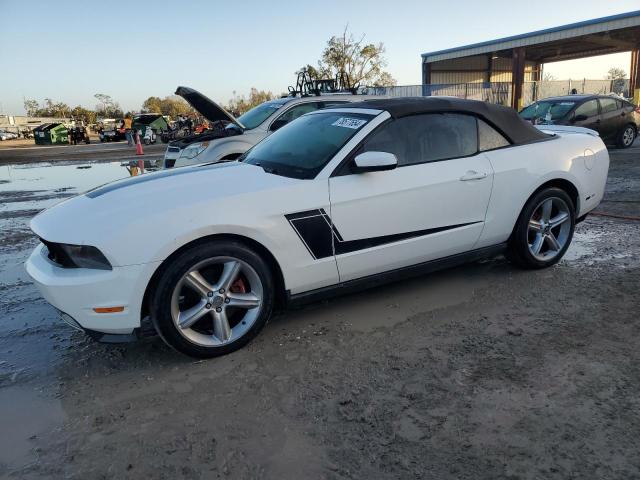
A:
500	92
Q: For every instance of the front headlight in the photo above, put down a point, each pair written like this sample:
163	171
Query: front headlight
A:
192	151
76	256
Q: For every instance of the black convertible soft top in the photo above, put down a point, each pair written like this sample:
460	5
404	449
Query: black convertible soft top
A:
504	119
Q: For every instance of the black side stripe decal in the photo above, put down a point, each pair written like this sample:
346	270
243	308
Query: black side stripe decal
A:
317	232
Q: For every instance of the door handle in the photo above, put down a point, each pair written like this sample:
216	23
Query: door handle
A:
473	175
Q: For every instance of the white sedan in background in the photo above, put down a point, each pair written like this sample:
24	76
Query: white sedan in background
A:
4	135
338	200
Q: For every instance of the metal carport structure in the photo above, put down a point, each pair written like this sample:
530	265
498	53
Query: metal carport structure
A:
519	58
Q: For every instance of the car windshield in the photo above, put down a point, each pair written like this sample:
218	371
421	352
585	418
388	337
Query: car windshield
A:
302	148
259	114
547	111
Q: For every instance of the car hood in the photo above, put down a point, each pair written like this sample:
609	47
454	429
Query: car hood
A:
205	106
123	213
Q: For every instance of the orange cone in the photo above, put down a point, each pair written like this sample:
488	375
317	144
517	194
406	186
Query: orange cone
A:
138	145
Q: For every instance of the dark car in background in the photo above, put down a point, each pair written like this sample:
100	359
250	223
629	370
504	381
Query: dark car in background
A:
615	119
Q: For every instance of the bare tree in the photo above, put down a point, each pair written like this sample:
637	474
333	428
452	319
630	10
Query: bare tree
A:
353	61
616	73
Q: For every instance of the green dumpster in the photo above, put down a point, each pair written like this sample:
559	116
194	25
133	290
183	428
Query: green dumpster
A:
51	134
156	121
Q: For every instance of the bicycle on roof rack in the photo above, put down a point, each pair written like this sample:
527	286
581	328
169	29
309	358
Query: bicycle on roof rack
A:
307	86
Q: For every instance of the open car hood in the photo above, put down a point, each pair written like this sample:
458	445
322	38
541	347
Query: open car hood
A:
207	107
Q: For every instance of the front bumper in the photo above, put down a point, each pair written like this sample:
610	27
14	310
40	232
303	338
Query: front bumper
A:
77	291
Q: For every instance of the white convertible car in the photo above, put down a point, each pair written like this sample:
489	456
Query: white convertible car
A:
339	199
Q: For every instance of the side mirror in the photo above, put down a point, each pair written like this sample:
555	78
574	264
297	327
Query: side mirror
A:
374	162
279	123
580	118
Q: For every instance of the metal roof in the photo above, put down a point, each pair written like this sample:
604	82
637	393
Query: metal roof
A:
598	25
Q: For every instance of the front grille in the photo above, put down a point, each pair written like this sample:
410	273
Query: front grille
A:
169	163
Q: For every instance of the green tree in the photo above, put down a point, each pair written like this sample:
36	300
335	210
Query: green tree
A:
171	106
84	114
53	109
152	105
239	104
354	61
385	80
107	108
314	73
31	106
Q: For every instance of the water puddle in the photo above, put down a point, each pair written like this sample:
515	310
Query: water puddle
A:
32	337
26	414
37	186
592	245
584	244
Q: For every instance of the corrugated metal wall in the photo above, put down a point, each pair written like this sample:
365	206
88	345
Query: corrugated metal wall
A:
500	92
475	69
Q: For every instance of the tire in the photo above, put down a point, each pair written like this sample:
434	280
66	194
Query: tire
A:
231	284
627	136
535	243
147	141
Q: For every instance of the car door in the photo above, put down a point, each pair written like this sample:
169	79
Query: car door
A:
431	206
587	115
610	119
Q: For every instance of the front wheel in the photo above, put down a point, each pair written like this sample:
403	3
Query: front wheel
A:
212	299
627	136
544	229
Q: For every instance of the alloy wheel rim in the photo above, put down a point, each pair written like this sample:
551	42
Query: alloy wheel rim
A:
627	136
549	229
217	301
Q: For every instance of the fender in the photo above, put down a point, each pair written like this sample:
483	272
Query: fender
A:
218	150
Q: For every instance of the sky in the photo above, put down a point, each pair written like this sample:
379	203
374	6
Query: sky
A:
70	50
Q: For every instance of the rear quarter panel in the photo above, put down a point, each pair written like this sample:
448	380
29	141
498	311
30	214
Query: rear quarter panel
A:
519	171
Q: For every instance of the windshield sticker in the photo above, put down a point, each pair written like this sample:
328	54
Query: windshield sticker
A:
566	104
345	122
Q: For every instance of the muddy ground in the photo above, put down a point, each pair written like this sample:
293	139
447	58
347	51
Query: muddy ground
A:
22	151
480	372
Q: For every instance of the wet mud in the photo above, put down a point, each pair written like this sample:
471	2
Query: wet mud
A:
479	372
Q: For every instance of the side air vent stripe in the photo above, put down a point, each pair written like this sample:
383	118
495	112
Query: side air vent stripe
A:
317	231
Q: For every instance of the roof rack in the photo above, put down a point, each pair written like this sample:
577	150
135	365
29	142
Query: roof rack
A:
306	86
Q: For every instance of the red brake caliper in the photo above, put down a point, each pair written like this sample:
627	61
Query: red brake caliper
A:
238	286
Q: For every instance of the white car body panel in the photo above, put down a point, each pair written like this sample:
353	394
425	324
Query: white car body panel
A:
482	195
524	168
383	203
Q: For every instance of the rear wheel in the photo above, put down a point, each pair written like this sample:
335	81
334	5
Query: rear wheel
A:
212	299
627	136
544	229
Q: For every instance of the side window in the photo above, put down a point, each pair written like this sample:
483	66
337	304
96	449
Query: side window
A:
588	109
608	105
489	138
293	113
426	138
